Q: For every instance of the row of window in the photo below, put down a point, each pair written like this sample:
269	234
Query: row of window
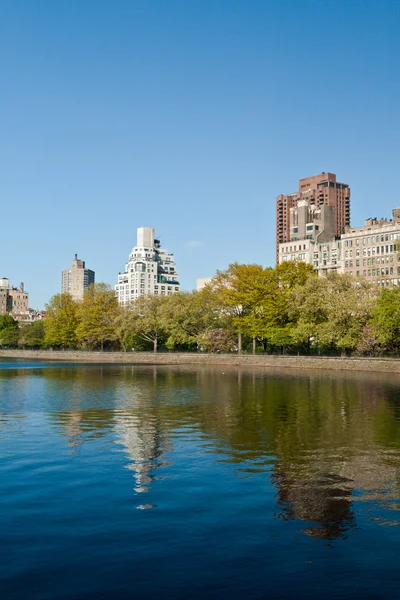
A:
370	261
373	239
376	272
293	248
375	250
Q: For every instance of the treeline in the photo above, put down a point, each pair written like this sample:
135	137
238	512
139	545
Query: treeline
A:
245	308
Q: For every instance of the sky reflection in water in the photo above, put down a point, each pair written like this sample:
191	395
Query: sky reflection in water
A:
247	483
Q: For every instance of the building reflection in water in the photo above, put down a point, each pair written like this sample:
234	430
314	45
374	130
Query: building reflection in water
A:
140	428
324	441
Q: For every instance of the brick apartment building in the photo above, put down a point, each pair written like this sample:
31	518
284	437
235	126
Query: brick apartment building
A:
317	191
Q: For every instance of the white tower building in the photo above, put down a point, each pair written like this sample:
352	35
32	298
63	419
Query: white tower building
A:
150	270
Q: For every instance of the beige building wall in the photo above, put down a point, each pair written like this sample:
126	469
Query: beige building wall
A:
76	280
373	251
202	282
12	299
324	256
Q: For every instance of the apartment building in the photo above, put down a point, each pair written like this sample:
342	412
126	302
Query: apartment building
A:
149	270
12	299
316	191
373	250
76	280
324	256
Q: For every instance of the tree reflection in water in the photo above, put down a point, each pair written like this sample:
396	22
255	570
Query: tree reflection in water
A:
324	440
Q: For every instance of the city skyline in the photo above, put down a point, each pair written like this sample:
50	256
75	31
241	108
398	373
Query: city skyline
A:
190	118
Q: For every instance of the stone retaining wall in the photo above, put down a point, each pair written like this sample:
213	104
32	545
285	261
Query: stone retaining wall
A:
264	361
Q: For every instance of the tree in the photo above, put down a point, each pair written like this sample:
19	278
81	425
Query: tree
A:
148	319
32	335
185	316
268	294
331	312
217	340
97	313
7	321
125	326
235	291
61	321
9	331
386	319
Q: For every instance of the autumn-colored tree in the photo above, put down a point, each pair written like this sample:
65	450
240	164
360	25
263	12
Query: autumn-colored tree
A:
61	321
236	292
97	312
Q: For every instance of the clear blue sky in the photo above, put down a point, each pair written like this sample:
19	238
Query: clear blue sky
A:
189	116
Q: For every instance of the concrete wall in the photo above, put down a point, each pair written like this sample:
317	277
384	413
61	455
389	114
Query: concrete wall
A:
297	362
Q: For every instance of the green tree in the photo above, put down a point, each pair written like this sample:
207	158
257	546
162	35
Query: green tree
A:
386	319
9	331
268	317
331	312
97	313
236	292
61	321
217	340
32	335
186	316
7	321
125	327
148	319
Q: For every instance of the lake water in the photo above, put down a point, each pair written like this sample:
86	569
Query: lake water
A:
179	483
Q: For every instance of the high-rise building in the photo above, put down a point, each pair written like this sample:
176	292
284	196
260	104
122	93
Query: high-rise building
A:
316	191
76	280
12	299
150	270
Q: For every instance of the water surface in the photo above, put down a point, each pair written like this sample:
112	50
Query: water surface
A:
167	482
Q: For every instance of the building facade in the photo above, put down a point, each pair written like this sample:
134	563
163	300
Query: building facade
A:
12	299
371	251
324	256
76	280
317	191
149	270
202	282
